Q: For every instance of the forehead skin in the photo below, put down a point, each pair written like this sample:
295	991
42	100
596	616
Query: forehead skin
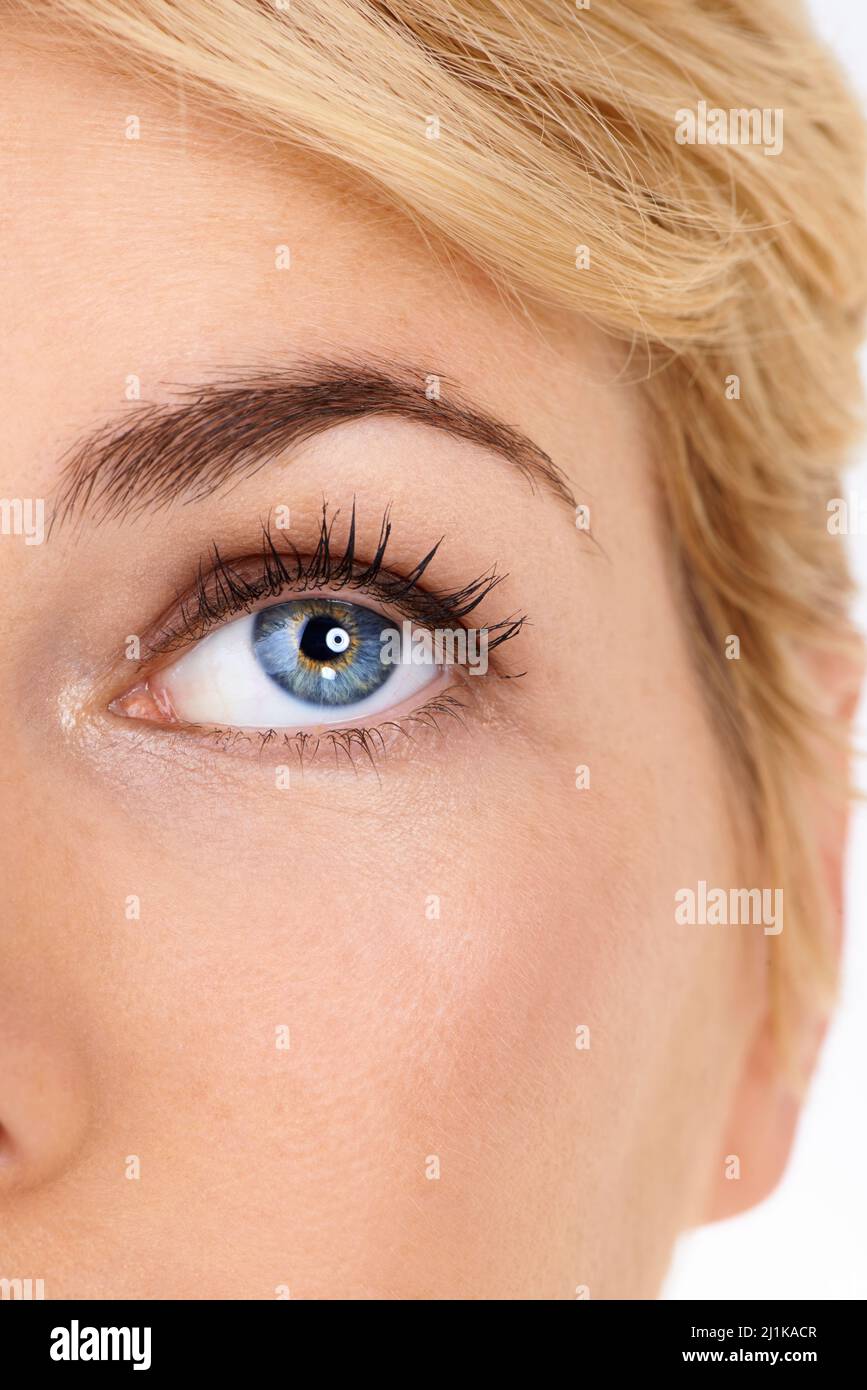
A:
187	220
410	1038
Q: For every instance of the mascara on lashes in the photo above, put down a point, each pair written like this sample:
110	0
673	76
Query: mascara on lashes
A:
227	589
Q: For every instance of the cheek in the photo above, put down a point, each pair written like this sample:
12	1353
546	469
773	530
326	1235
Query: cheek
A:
356	1023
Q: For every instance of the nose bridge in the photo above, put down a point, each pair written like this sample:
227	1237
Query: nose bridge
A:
43	1091
37	796
43	1081
28	833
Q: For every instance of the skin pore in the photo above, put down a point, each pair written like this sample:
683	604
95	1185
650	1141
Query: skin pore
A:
313	907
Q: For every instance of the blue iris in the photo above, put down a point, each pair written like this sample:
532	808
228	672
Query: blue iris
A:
322	651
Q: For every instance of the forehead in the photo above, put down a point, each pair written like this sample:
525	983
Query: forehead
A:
145	235
126	202
152	238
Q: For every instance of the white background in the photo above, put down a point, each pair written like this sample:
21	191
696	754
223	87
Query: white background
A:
809	1240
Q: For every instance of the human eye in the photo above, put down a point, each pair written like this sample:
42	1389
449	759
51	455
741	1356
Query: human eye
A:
304	662
323	643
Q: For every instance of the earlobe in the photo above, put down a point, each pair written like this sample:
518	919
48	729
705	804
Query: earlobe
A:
757	1140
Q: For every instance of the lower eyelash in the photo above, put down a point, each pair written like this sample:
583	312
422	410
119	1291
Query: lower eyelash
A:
369	743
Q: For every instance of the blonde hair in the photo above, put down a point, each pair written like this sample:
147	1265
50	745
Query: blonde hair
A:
719	262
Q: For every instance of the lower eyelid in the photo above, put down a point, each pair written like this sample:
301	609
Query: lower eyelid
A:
392	740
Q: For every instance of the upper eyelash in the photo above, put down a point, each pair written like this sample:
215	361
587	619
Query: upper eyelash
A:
224	590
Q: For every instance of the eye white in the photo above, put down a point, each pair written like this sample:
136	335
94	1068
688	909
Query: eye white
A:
220	682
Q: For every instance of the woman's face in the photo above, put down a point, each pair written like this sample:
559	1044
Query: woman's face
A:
395	1014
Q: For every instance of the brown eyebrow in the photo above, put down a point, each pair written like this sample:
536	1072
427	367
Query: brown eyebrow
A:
217	433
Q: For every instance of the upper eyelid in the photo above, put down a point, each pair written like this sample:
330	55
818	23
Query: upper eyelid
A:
194	625
233	593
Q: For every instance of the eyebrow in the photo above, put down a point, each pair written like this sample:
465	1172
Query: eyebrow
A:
218	433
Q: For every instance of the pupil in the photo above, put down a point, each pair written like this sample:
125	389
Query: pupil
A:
315	643
326	654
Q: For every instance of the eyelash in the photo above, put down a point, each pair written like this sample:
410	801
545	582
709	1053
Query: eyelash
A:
225	591
369	741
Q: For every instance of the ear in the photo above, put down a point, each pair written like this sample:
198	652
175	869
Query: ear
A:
758	1137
